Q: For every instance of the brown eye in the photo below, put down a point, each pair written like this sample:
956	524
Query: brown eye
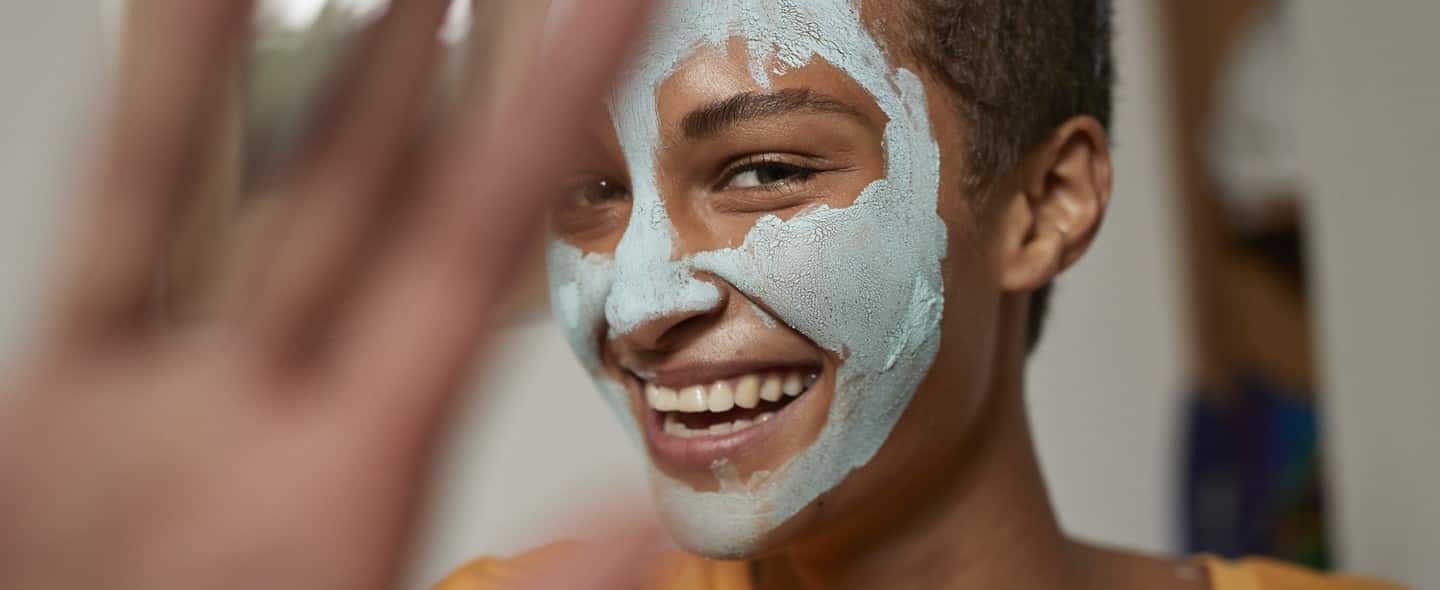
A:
600	192
767	175
593	213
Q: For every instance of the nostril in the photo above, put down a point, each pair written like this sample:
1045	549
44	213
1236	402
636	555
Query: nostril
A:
685	330
650	317
661	318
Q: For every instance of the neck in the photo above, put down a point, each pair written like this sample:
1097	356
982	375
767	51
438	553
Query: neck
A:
983	520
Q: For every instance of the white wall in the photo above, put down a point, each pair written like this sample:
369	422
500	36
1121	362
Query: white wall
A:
50	59
1370	89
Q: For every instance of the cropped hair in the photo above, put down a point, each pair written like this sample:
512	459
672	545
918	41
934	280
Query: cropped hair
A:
1018	70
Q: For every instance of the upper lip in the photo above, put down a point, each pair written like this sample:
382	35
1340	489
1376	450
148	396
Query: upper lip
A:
697	374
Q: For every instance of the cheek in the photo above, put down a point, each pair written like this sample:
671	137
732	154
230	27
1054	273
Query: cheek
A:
828	274
970	273
579	284
968	334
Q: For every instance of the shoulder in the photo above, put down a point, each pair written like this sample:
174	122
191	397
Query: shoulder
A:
1265	574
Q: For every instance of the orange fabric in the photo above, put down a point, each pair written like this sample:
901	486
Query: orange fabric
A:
682	571
674	571
1266	574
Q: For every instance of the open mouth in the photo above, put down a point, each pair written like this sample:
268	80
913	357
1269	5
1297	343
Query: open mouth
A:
727	406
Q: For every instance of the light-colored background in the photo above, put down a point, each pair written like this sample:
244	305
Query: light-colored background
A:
1107	383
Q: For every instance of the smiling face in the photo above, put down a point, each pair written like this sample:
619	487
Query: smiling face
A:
755	270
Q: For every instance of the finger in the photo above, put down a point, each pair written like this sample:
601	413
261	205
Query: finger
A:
346	168
507	42
418	328
174	77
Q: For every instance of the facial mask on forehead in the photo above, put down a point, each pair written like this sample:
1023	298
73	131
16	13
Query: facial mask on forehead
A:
861	281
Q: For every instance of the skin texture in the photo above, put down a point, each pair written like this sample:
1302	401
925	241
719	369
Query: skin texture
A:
282	439
983	519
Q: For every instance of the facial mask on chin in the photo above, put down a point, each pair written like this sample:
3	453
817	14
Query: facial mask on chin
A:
862	281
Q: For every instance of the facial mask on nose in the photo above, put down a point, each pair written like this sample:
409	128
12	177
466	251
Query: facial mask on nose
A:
862	281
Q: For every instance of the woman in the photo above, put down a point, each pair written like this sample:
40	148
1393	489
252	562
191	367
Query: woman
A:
838	246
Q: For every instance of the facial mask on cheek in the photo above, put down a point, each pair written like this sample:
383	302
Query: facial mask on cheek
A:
863	281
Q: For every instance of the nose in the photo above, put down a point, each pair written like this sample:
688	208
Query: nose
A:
650	301
654	293
663	327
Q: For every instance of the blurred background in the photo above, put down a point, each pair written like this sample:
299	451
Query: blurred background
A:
1248	361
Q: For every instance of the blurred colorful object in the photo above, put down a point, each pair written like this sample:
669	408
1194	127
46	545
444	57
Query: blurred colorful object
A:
1252	475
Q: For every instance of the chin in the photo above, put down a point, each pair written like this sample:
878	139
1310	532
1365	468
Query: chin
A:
723	525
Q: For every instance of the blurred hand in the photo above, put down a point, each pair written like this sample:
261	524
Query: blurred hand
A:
283	441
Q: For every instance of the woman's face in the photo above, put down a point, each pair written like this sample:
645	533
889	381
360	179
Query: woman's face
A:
756	265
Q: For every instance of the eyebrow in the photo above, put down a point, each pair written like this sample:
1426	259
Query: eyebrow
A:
711	119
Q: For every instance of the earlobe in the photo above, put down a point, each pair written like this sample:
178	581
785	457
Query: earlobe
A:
1063	193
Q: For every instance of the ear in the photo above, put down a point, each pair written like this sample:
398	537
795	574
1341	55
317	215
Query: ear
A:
1050	221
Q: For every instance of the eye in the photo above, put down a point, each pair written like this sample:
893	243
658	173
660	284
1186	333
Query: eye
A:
767	175
594	211
599	192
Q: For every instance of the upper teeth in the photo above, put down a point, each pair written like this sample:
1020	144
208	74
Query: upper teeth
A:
726	394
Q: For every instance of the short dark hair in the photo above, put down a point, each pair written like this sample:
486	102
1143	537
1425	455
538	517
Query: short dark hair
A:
1018	69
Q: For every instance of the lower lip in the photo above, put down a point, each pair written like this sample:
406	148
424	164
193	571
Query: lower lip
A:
702	452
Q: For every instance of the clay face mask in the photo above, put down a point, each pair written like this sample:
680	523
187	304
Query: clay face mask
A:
861	281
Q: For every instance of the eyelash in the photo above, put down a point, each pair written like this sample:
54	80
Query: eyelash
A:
598	192
798	174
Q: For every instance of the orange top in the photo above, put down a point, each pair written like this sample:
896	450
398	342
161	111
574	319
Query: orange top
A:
683	571
1266	574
